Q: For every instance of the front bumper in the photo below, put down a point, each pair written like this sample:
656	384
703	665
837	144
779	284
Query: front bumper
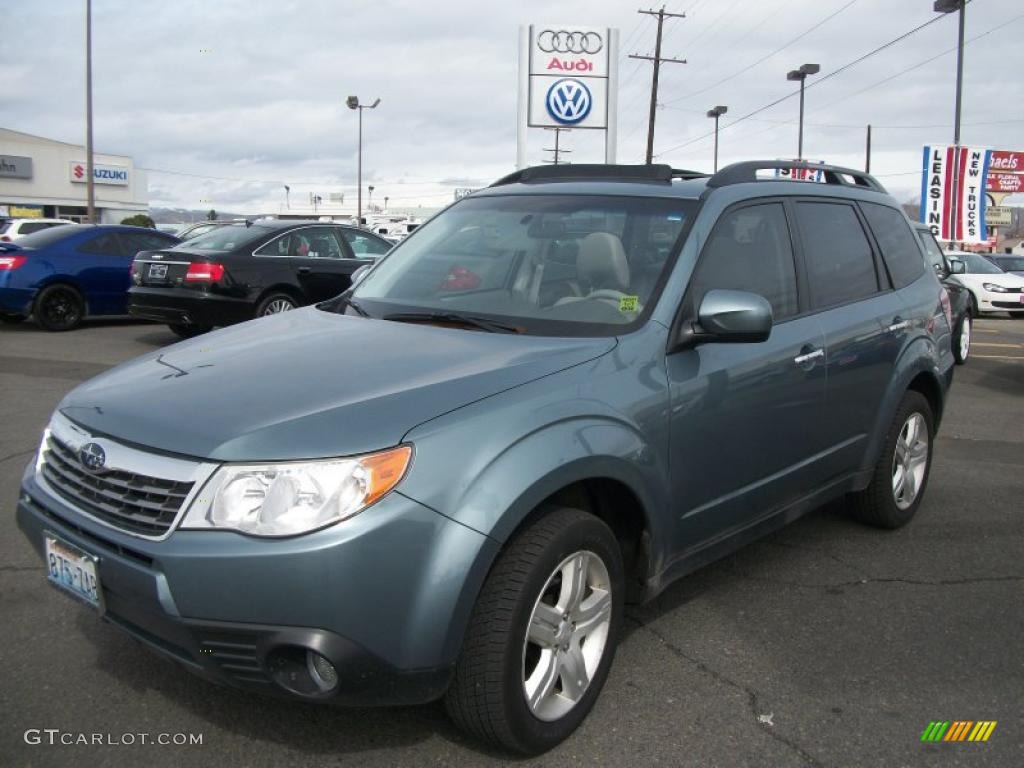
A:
384	596
989	301
178	306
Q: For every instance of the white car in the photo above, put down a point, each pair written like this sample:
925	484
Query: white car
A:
992	289
14	229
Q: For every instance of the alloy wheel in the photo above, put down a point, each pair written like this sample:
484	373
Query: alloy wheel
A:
567	635
60	308
278	305
965	338
910	460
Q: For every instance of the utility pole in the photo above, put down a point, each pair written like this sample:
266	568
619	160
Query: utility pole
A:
867	152
955	6
558	152
90	191
657	59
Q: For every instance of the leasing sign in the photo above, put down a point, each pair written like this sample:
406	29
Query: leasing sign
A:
953	192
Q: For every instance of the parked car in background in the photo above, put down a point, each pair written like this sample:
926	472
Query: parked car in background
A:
64	274
563	393
240	271
12	230
992	289
959	296
1009	263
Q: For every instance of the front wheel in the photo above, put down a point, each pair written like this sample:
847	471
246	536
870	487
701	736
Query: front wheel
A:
962	341
901	473
542	635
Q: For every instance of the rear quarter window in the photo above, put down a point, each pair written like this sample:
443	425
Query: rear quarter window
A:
900	249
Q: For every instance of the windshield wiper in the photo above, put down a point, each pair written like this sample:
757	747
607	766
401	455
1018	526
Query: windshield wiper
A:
479	323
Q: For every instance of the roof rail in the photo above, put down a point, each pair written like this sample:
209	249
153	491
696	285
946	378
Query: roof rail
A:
742	173
591	172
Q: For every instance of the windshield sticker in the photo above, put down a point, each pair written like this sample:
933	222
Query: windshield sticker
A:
628	303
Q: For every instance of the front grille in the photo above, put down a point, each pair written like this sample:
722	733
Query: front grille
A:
136	503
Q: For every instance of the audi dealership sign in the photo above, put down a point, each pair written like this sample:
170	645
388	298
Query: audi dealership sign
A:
567	79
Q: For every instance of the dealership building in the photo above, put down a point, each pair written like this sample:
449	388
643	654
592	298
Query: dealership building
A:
41	177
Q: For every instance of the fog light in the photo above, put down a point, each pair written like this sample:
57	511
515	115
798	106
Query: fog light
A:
322	671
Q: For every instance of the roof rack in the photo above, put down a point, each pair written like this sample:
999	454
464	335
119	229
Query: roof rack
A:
597	172
742	173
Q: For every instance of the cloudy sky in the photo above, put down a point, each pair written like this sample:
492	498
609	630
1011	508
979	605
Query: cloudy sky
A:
265	106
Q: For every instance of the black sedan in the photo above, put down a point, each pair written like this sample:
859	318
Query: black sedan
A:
246	270
959	296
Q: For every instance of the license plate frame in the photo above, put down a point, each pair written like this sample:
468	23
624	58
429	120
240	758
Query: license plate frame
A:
73	571
157	272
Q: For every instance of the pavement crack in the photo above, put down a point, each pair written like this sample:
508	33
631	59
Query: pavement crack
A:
753	698
16	454
881	580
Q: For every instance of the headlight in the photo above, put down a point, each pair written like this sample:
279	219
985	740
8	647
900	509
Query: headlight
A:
994	288
287	498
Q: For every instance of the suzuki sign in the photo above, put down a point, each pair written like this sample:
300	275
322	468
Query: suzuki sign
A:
568	76
101	174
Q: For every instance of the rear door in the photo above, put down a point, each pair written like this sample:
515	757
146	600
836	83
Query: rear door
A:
866	322
322	261
365	246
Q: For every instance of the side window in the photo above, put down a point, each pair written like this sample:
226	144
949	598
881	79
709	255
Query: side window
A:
106	244
899	248
363	245
35	226
305	243
750	250
931	247
840	265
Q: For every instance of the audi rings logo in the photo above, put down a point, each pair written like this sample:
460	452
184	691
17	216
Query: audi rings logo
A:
568	101
563	41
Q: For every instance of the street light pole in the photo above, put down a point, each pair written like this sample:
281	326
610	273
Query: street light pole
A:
949	6
90	192
353	103
716	113
801	75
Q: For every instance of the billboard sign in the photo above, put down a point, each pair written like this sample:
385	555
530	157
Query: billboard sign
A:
998	216
1009	183
15	167
802	174
953	192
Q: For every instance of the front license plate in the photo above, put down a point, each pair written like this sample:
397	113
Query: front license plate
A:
1022	298
74	571
158	271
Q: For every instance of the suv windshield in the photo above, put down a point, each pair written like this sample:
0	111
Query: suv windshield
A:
543	264
226	238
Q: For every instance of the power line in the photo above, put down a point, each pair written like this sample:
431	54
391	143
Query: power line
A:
819	81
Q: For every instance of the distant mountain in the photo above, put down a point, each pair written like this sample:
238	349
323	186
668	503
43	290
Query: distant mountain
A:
184	215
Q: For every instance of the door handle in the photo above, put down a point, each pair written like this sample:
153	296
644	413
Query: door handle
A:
807	357
898	324
304	270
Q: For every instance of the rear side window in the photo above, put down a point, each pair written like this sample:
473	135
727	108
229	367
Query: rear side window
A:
106	244
750	250
840	265
29	227
899	248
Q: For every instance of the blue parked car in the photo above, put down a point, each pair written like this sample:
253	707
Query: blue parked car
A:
63	274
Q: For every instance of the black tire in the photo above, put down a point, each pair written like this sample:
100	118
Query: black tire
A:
12	319
974	311
876	505
188	331
487	697
267	306
59	308
960	354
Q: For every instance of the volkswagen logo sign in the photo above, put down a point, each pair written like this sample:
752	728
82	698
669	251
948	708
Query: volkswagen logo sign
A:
92	456
563	41
568	101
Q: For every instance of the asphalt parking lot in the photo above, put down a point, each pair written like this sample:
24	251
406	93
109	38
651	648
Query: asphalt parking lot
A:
826	644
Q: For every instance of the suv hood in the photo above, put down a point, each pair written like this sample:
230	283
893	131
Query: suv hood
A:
309	384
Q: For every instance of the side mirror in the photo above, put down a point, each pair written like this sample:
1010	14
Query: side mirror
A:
729	317
957	267
360	273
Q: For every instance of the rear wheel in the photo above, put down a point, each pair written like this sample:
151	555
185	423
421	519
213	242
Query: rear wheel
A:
901	474
962	340
542	635
188	331
275	303
59	308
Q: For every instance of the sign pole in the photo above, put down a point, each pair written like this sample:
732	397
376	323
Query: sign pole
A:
90	191
611	132
523	106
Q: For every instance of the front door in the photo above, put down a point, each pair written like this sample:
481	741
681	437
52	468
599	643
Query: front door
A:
746	418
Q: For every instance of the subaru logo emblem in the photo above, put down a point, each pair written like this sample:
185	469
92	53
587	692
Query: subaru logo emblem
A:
568	101
92	456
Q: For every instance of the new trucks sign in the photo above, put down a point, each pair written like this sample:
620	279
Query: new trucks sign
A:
953	192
